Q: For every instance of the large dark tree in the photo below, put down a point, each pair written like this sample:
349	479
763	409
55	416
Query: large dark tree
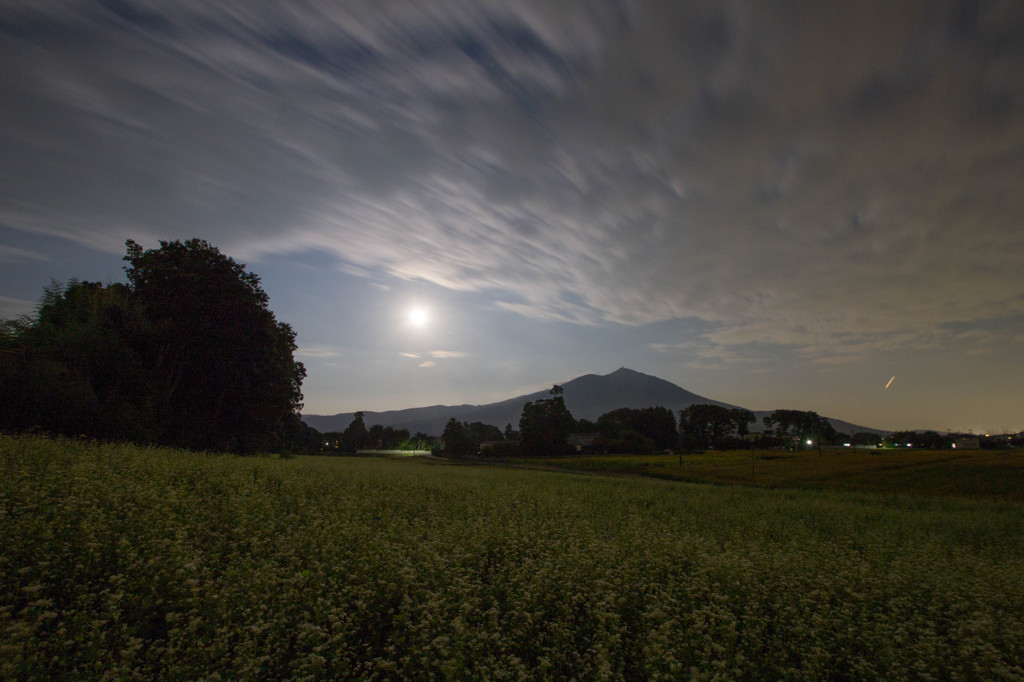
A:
355	435
787	426
796	427
703	426
380	437
741	419
824	432
637	430
221	365
456	440
478	432
545	425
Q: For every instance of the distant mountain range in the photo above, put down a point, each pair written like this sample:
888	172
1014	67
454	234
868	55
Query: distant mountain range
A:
587	397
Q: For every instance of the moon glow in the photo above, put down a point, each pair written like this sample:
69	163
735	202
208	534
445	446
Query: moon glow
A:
418	317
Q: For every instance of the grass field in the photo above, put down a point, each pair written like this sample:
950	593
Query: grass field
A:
973	473
119	562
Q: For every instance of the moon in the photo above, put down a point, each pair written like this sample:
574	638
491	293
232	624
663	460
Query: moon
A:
418	317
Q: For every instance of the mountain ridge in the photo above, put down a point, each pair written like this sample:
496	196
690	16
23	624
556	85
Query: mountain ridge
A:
587	397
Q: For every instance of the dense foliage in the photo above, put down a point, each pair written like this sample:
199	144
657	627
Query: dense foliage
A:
377	437
644	430
456	440
387	437
463	439
704	426
75	368
187	353
545	425
222	366
355	435
129	563
796	428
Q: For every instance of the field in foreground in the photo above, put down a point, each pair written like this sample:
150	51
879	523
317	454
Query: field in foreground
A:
122	562
997	474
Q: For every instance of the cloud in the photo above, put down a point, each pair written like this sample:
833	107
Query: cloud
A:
9	254
316	352
827	181
446	354
13	308
436	354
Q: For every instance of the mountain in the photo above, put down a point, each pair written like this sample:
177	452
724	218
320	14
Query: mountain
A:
587	397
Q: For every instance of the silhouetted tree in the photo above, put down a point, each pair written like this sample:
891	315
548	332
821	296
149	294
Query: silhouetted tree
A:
926	439
395	438
478	432
299	437
545	425
795	427
741	420
220	365
786	426
659	424
422	441
932	440
824	432
865	438
637	430
354	437
375	437
71	368
703	426
456	442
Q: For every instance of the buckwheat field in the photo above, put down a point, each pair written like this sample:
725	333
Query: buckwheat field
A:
121	562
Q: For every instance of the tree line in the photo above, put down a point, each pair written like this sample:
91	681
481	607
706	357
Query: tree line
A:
547	428
357	436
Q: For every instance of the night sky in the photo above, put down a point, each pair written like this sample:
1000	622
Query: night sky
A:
771	204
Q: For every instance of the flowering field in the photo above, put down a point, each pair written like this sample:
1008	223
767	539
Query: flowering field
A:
131	563
997	474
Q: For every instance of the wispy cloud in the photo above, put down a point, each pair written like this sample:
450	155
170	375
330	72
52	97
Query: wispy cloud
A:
446	354
589	162
9	254
316	352
12	308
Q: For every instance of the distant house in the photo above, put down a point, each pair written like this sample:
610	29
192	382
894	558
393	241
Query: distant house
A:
967	443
